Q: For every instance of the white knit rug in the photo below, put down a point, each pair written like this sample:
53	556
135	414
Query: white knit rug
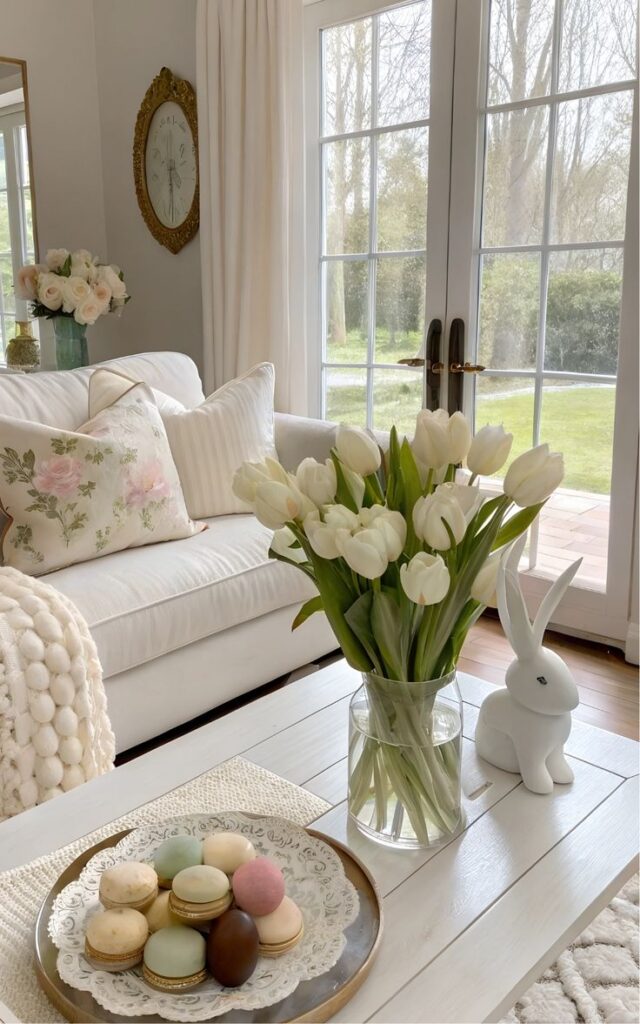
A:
596	979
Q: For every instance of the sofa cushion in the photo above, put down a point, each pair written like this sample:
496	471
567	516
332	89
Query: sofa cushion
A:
144	602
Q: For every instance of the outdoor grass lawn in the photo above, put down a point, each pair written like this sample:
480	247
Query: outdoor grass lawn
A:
577	421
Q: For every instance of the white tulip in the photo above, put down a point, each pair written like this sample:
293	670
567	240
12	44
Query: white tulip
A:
276	504
390	524
459	433
317	481
365	552
357	450
425	579
533	476
428	516
355	483
282	543
246	479
431	441
56	258
489	450
483	588
339	517
468	498
321	536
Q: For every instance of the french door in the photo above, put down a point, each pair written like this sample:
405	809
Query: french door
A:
471	246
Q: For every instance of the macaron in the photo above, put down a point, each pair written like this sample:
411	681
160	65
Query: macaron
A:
227	851
115	939
129	884
200	893
232	948
159	914
175	958
258	886
281	930
174	855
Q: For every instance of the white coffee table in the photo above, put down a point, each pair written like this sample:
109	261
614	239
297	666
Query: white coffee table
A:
466	929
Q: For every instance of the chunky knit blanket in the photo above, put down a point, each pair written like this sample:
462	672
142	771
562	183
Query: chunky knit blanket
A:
54	728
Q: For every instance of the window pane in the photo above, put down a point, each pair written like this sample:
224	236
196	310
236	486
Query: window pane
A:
509	311
598	42
347	77
400	294
507	400
5	238
577	420
6	283
347	196
402	189
346	396
24	153
520	49
28	221
515	176
591	168
347	289
397	399
3	164
583	311
403	63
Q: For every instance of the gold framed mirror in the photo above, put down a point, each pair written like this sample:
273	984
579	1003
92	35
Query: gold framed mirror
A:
18	233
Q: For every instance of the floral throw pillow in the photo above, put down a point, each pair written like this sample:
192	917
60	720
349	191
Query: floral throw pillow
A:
72	496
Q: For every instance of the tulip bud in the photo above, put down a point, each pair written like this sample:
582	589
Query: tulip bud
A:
278	503
431	442
365	552
483	588
428	516
425	579
357	451
251	474
339	517
390	524
459	438
317	480
468	498
282	543
321	536
533	476
489	450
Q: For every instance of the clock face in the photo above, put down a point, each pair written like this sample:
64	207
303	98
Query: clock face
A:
170	164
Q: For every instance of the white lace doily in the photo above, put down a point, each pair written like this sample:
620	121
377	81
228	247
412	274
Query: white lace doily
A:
314	877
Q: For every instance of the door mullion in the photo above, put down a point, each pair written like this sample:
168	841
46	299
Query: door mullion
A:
373	216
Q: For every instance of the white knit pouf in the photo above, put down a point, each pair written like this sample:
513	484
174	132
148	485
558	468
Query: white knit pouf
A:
54	728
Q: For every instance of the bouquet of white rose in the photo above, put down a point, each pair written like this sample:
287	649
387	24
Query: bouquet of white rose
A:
405	558
72	284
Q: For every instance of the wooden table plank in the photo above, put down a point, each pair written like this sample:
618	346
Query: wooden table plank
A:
436	903
502	953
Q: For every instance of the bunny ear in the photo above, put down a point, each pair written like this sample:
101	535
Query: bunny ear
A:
511	606
551	601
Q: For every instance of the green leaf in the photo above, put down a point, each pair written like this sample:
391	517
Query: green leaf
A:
65	269
394	481
343	494
516	525
388	629
308	609
358	617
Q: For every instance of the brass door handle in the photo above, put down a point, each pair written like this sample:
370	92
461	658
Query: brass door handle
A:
466	368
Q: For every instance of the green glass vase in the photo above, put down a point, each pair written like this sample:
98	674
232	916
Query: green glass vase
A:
71	343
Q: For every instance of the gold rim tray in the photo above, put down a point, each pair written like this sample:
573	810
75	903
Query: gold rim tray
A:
314	1000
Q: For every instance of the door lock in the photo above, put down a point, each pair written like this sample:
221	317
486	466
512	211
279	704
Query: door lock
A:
466	368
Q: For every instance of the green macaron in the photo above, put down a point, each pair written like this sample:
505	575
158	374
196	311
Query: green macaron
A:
174	958
174	855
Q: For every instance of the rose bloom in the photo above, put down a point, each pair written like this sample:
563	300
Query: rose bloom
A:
88	311
146	483
27	283
109	275
50	291
74	291
56	258
59	475
102	294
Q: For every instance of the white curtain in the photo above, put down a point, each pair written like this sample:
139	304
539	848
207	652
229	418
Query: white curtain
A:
251	142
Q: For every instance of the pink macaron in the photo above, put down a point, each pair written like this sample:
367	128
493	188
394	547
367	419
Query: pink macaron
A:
258	886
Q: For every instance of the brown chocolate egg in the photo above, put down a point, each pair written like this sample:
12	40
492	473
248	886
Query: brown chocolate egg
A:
232	948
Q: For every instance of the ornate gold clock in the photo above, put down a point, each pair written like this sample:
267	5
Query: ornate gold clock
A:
165	161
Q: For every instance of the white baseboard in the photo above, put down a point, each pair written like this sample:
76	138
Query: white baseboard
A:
632	646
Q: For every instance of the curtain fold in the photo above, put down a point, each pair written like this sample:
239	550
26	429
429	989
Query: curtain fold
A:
251	143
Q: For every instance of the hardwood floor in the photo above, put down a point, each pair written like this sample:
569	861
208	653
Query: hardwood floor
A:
609	692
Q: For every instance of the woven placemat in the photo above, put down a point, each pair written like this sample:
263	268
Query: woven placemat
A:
235	785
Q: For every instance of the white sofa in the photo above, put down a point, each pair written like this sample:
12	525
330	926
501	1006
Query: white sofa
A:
184	626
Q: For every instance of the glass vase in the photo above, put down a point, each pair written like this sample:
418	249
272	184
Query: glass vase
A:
71	343
405	746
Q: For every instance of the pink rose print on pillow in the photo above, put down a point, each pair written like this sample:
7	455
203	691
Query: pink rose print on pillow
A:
145	483
59	475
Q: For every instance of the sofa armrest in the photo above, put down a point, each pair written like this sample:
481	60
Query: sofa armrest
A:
299	437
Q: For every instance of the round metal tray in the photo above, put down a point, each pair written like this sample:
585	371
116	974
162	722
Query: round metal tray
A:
314	1000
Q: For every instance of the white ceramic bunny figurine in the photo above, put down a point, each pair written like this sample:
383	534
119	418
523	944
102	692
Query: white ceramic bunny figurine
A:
524	728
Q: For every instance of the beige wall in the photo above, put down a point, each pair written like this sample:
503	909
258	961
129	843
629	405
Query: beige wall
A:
134	39
89	65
